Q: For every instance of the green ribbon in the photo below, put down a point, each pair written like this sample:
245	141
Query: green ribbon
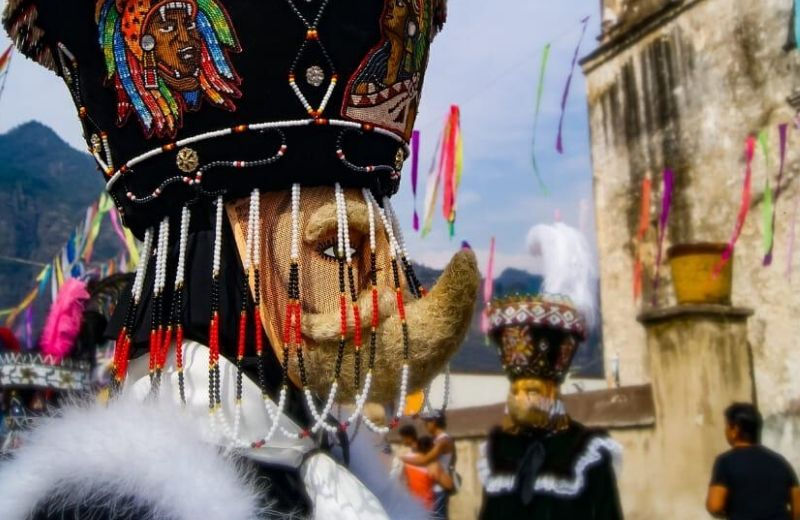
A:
539	93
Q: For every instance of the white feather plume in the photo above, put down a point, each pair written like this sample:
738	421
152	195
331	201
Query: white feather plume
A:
568	266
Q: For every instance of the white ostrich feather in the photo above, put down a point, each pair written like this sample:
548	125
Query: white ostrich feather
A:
568	266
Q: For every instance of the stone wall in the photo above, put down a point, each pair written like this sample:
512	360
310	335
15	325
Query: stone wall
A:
684	91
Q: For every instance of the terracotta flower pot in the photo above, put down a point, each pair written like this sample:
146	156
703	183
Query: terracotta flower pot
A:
692	267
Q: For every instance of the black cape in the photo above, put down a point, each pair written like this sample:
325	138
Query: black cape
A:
569	457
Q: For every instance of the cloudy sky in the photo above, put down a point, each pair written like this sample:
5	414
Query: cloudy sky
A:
487	61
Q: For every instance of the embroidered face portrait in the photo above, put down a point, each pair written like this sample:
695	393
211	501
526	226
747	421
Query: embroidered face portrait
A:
385	90
165	57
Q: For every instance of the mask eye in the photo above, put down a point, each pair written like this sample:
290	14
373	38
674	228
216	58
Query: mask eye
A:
330	252
191	26
328	249
167	28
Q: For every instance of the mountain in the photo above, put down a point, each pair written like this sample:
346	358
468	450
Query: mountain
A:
45	188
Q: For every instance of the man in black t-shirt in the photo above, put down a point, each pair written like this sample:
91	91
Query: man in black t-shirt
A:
751	482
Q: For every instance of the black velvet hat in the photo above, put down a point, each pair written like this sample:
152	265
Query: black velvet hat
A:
185	98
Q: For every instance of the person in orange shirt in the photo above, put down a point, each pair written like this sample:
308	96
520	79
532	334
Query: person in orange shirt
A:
422	479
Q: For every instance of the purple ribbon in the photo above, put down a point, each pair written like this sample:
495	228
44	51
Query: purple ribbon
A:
666	204
415	173
29	327
559	141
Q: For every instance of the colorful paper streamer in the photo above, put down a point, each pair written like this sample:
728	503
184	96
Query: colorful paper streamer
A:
797	23
663	220
488	289
72	259
641	231
5	65
565	95
539	92
432	188
744	207
453	163
414	174
446	168
29	327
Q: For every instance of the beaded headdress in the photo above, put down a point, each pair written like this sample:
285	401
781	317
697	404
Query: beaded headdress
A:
536	336
237	101
184	99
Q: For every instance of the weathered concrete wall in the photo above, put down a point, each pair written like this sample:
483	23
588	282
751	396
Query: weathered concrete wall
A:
700	362
466	503
684	94
637	489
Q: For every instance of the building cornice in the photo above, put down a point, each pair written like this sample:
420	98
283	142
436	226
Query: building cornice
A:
624	39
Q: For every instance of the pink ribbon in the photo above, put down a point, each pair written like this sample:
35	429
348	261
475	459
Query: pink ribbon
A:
744	207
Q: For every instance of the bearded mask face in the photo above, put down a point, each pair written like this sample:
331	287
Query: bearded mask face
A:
437	323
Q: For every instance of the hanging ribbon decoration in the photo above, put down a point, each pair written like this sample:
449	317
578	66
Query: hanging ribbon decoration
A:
796	11
127	239
539	92
770	242
5	66
71	261
432	187
452	152
13	312
644	224
663	219
103	207
790	241
29	327
488	290
415	173
767	204
744	207
565	95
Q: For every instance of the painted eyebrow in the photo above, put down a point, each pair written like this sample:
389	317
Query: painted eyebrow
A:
323	221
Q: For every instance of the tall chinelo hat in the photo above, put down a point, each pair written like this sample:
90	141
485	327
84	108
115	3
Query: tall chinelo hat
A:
244	142
182	98
537	335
